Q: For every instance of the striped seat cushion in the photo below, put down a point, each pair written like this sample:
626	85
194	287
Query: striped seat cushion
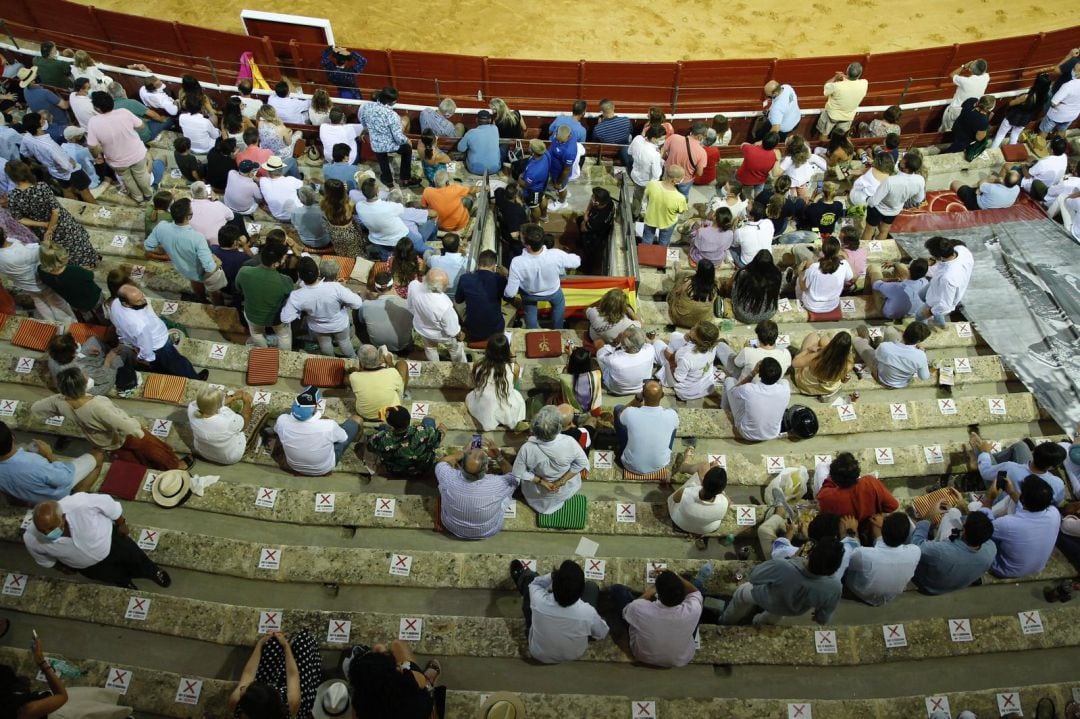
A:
948	496
661	475
33	335
324	372
263	366
164	388
82	332
3	319
345	264
571	515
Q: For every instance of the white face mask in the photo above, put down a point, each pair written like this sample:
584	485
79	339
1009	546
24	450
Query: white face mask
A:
44	126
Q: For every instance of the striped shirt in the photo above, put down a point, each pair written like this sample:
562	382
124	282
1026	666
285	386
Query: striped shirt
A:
473	509
613	130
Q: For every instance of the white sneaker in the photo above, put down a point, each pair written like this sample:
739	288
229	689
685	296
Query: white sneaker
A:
556	206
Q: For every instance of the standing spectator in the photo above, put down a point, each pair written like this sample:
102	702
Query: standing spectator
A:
35	475
452	261
844	92
898	358
387	319
445	199
645	431
112	135
953	559
700	505
386	134
904	189
972	125
594	228
197	128
313	445
949	276
790	588
758	402
879	573
666	202
560	611
686	152
1022	109
662	621
783	114
434	318
325	303
473	498
379	383
712	157
154	95
1026	538
686	360
404	449
41	99
189	252
138	326
218	431
278	190
336	132
19	265
54	71
971	80
758	161
494	399
1064	105
646	163
438	119
208	216
290	106
242	194
626	363
342	65
823	364
612	129
537	274
481	146
74	284
38	145
573	121
34	205
265	291
79	101
842	489
752	236
534	179
481	291
563	153
89	534
510	206
549	464
308	220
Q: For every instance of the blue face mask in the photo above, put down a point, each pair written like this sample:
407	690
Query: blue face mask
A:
54	534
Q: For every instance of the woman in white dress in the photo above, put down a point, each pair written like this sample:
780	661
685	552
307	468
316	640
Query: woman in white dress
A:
494	401
687	360
218	431
700	505
550	464
610	315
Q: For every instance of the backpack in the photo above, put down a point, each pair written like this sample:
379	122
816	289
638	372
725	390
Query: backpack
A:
799	422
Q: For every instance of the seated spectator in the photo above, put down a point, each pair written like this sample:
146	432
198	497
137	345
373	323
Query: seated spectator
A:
757	402
481	291
801	165
338	132
626	364
432	159
879	573
27	704
434	318
404	449
156	97
105	425
189	252
199	130
823	213
954	558
341	169
1051	169
856	256
384	680
1024	539
1022	109
320	107
823	364
790	588
822	281
480	145
729	194
280	677
887	124
138	326
265	292
88	533
313	445
758	161
74	146
383	220
841	489
742	365
289	105
41	99
279	190
325	304
560	611
438	119
645	431
686	360
494	400
700	505
752	236
475	487
549	464
537	273
693	295
780	207
104	369
218	430
19	263
662	621
388	322
581	384
972	124
665	203
755	289
189	165
79	101
276	137
446	200
379	383
949	276
308	219
242	194
253	151
38	145
867	184
901	293
232	252
907	188
453	260
712	239
1019	461
208	215
897	358
29	476
610	316
612	129
991	193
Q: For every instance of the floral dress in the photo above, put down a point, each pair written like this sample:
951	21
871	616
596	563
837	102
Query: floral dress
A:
270	139
37	203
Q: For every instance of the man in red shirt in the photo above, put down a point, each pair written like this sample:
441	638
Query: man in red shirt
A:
688	153
758	161
712	157
253	151
846	492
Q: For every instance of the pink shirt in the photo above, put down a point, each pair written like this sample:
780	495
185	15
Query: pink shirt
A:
209	216
857	260
660	635
115	133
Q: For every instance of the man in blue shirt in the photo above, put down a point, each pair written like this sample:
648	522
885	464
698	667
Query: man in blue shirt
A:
573	121
783	114
953	562
189	252
534	180
1026	538
33	476
40	98
340	168
901	294
563	153
342	66
1020	462
452	261
992	193
898	358
611	129
481	146
482	292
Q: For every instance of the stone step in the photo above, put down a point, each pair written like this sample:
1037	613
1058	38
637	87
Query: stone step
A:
857	307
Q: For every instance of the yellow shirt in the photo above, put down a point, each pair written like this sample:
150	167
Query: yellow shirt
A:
844	98
665	205
375	390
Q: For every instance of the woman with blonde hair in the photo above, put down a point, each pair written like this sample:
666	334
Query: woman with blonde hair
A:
84	66
275	136
800	165
510	123
686	360
217	429
345	234
823	365
319	111
495	400
73	283
610	315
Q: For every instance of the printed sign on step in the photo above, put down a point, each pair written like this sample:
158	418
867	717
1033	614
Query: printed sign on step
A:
643	710
55	421
419	410
169	308
148	481
875	333
270	558
528	565
774	465
874	247
603	459
846	412
410	629
996	405
898	411
847	306
385	507
414	367
822	459
653	570
138	272
148	540
8	407
15	584
894	634
188	691
720	459
261	398
118	679
937	704
783	305
825	641
270	620
337	632
962	365
799	711
27	519
963	329
625	513
947	406
934	454
24	365
119	240
1009	704
324	502
960	630
218	350
161	428
595	569
745	515
783	340
884	455
1031	622
673	256
510	510
266	497
137	609
400	565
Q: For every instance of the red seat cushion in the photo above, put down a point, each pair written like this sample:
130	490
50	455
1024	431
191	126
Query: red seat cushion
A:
652	255
478	345
1015	153
82	332
324	372
263	364
164	388
33	335
543	344
831	316
123	479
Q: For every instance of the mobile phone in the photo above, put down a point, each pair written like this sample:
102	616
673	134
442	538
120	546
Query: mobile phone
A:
477	441
1002	480
34	633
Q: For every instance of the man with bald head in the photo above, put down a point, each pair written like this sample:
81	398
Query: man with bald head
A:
783	114
434	317
86	533
574	426
645	431
139	327
475	484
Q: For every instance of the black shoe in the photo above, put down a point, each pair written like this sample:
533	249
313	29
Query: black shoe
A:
203	375
516	570
1046	709
189	462
162	578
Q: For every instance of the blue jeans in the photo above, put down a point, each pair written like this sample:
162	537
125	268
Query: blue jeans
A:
558	309
168	360
156	128
649	235
291	168
349	93
157	171
625	159
937	320
351	430
736	259
684	188
421	236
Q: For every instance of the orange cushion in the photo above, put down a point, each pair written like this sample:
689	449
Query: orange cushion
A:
652	255
82	332
33	335
832	316
478	345
164	387
263	365
661	475
3	317
345	263
324	372
1015	153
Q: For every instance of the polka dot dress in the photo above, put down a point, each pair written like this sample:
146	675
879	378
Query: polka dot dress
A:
305	651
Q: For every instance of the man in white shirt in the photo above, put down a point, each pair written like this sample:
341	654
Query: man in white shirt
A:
627	363
646	162
313	445
79	100
742	364
279	190
196	127
879	573
560	611
971	80
904	189
153	95
949	278
434	317
337	131
249	106
1064	106
381	218
138	327
19	265
88	533
752	236
757	403
208	216
844	92
1051	169
291	108
537	273
326	303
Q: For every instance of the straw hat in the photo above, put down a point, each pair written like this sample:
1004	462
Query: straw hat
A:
331	700
503	705
27	76
273	164
171	488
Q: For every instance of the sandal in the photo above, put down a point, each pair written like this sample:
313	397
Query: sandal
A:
432	666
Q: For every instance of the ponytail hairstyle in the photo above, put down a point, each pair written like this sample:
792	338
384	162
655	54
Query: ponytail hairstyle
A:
830	255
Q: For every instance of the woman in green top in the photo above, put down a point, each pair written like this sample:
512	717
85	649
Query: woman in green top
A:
73	283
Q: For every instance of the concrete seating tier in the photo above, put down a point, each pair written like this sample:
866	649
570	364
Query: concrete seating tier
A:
864	307
233	625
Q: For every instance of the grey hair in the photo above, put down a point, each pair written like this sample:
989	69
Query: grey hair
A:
854	71
436	283
547	423
71	383
369	356
978	67
633	339
307	195
199	190
329	269
117	91
442	178
447	107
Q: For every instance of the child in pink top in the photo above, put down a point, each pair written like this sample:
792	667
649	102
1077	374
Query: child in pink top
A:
856	257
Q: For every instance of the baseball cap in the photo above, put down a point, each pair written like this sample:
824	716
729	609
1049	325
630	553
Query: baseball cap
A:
73	131
483	116
306	403
247	166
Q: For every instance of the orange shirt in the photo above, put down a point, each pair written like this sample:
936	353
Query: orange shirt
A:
256	154
446	201
676	154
